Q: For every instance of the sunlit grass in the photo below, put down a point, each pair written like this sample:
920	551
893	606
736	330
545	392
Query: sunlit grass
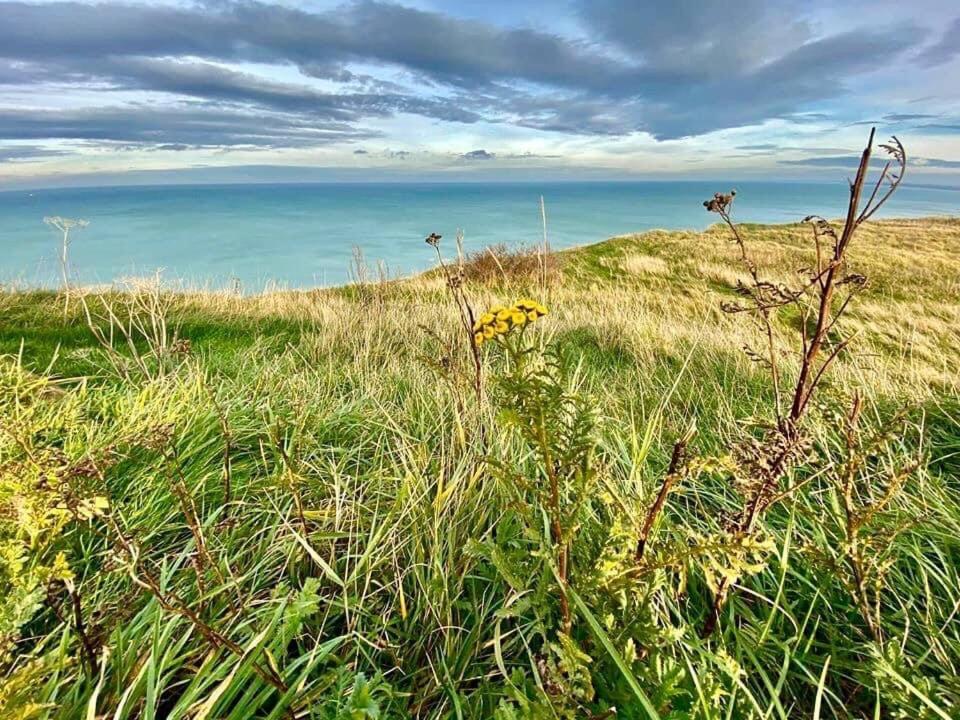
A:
348	507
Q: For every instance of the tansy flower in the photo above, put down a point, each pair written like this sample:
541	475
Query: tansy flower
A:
500	321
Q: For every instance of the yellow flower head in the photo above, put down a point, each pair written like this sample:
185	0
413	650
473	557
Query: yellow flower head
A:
500	321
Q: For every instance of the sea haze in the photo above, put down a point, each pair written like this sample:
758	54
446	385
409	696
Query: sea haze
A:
303	235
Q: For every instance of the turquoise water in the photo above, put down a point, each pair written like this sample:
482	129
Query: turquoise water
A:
303	235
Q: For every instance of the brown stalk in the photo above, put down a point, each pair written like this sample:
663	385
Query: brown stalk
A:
674	474
464	308
784	442
556	528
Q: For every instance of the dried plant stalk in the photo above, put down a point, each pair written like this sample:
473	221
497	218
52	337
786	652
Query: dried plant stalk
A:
764	462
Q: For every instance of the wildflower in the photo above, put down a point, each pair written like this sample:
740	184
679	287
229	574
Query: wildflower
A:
500	321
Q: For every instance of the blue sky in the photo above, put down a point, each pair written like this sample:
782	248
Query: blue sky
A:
117	92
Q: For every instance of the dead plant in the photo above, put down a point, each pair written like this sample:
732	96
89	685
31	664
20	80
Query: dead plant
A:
822	298
455	278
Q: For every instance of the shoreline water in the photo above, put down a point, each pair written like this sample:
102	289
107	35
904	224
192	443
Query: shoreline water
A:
180	287
305	236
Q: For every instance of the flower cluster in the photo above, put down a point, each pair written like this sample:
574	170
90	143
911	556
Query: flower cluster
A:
501	320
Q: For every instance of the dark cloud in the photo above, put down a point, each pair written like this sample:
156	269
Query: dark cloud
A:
463	52
947	127
905	117
478	155
26	153
945	50
844	161
689	38
937	163
198	125
649	66
851	162
360	151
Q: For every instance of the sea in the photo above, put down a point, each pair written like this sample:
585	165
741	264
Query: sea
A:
259	237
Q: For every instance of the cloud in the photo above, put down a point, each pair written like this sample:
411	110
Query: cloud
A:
26	153
360	151
851	162
263	74
478	155
945	50
936	163
194	125
690	38
462	52
904	117
948	128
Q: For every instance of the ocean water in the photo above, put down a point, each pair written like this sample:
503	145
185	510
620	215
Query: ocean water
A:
303	235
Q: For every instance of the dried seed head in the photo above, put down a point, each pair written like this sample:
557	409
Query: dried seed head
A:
720	202
433	239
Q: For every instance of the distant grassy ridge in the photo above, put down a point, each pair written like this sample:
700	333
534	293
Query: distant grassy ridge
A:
646	290
299	470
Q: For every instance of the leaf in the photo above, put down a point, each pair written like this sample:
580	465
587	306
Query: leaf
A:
604	640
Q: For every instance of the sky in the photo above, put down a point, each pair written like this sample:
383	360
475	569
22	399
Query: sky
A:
275	90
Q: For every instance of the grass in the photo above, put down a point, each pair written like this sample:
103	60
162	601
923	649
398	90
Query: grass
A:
305	481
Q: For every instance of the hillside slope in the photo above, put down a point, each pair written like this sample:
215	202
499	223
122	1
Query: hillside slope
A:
293	504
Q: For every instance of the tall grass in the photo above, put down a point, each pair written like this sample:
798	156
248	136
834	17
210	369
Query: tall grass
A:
293	515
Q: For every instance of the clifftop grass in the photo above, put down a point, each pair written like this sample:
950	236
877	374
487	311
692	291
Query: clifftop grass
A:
303	477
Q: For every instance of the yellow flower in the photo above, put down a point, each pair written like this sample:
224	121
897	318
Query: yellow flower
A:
518	317
486	318
501	327
488	332
504	314
478	338
532	315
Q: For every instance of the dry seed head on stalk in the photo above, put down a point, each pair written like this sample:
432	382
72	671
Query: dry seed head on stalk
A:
500	321
720	202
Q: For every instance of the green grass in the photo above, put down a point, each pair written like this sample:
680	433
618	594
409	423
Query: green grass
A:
376	556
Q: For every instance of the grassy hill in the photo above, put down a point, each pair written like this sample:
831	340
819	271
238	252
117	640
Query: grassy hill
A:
295	505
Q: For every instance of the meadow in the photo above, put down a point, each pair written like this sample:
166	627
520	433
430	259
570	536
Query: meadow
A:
316	505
